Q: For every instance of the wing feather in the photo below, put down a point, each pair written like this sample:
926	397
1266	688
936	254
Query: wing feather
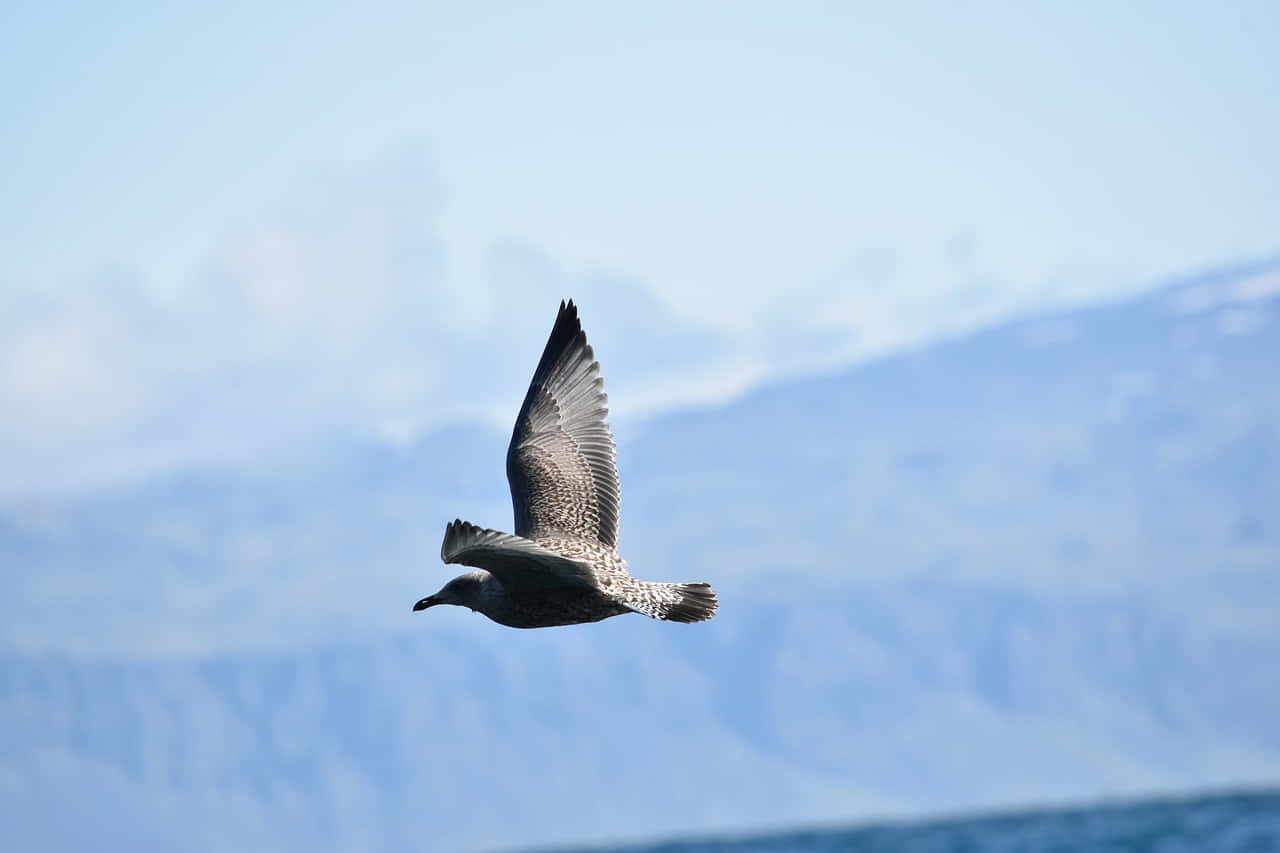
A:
561	463
514	560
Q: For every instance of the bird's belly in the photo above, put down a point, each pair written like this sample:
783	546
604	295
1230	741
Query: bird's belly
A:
560	607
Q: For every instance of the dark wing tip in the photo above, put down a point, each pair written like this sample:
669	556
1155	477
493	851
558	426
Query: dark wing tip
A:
565	334
567	321
567	316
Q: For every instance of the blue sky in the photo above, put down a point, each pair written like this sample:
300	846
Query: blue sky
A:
230	231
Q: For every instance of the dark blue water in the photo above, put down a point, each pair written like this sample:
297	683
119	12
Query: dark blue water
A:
1227	823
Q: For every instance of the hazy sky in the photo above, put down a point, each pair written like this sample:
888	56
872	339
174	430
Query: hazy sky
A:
231	228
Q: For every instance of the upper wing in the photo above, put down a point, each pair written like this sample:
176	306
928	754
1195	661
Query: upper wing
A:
515	561
560	464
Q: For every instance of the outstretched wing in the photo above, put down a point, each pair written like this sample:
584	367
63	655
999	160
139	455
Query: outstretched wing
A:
560	464
514	560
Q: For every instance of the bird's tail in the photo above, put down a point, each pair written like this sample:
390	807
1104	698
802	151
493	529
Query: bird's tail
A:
675	602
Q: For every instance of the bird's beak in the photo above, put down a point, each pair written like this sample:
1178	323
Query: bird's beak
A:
429	601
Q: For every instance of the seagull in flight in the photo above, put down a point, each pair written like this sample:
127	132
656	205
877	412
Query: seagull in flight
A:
561	566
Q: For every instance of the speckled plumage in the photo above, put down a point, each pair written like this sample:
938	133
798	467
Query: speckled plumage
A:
561	566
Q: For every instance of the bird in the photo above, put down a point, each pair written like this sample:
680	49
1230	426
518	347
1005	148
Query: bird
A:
561	566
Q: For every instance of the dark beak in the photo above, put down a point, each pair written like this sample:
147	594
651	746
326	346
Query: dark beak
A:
429	601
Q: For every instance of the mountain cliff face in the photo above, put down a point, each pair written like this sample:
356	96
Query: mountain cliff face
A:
1037	563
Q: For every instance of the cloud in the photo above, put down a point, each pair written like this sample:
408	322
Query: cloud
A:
337	317
344	315
334	316
350	314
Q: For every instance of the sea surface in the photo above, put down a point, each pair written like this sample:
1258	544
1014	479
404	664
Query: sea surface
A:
1229	823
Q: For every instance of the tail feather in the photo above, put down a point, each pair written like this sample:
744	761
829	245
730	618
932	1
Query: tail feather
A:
676	602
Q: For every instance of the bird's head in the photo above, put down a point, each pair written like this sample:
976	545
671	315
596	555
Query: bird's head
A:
467	590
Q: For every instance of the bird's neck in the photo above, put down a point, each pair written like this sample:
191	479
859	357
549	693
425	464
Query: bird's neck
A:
491	598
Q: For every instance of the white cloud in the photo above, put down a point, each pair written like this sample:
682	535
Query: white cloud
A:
350	313
301	327
339	317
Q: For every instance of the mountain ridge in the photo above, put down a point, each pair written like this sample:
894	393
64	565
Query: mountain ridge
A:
1032	564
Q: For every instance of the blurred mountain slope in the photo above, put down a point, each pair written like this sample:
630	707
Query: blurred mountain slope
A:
1036	563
